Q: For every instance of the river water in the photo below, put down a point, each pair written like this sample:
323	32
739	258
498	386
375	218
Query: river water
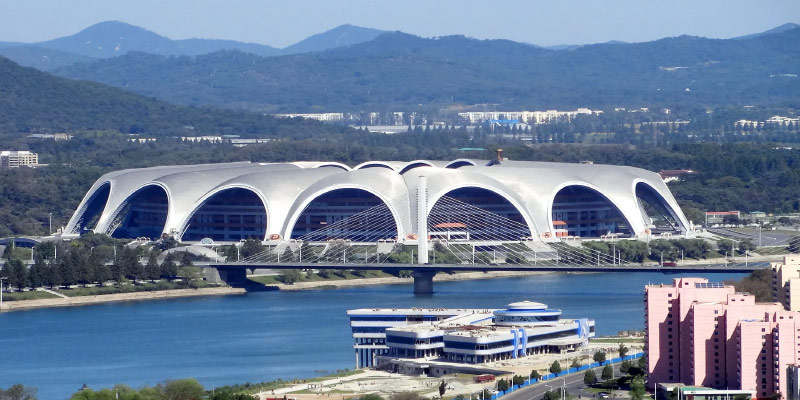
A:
267	335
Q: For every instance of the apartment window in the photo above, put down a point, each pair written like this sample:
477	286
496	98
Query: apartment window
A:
670	337
669	329
716	354
669	322
716	347
670	356
763	329
716	312
669	295
716	375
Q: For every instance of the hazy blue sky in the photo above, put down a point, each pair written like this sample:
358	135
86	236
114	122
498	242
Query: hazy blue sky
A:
282	22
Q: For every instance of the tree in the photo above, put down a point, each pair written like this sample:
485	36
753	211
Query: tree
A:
625	366
608	372
642	363
555	394
637	390
53	275
18	392
590	377
502	385
101	271
518	379
182	389
555	367
725	246
69	276
575	363
290	276
36	274
599	356
442	388
623	350
83	270
17	273
371	396
535	375
169	269
152	270
251	247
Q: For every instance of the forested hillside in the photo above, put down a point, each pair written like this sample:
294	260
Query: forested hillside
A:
401	71
34	101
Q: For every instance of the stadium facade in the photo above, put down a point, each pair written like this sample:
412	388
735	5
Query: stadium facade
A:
280	201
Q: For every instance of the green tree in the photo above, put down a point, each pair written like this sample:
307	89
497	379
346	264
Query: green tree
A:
290	276
502	385
169	269
36	274
608	372
535	375
371	396
83	270
442	388
590	377
623	350
152	270
69	274
625	366
599	356
575	363
17	273
101	271
18	392
555	367
637	389
52	276
518	379
182	389
251	247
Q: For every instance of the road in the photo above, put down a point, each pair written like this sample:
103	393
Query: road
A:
574	384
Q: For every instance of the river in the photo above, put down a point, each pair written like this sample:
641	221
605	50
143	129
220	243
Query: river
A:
267	335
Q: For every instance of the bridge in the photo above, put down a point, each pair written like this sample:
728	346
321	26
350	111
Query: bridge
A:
461	237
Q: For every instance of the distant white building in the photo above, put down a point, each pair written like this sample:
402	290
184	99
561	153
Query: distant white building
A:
14	159
526	117
777	119
324	117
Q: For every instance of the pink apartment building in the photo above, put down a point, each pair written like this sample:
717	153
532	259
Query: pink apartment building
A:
705	334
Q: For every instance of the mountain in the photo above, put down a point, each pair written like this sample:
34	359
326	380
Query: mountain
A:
778	29
35	101
114	38
341	36
401	71
40	57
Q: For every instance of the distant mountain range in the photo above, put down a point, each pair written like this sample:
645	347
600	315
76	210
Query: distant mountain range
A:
35	101
113	38
401	71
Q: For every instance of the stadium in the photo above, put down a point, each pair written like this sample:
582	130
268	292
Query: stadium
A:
380	201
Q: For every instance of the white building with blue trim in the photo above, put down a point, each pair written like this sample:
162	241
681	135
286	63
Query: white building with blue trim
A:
469	336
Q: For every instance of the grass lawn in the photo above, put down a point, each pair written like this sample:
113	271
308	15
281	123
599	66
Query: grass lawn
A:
29	295
128	288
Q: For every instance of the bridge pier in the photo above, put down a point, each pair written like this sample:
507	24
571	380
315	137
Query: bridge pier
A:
423	282
233	276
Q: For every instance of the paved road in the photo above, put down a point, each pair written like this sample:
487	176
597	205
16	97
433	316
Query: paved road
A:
574	384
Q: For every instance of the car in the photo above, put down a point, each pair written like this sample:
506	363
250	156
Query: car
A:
603	395
669	264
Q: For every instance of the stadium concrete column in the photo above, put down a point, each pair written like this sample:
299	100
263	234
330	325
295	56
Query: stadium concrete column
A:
422	220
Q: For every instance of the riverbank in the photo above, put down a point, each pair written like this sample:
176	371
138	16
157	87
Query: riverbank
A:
107	298
441	277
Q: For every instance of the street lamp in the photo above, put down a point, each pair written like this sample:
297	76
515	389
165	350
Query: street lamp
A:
50	223
1	293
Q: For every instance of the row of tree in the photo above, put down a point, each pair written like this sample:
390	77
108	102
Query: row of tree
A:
67	265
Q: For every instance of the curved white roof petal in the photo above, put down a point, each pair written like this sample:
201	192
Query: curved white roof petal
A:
286	189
